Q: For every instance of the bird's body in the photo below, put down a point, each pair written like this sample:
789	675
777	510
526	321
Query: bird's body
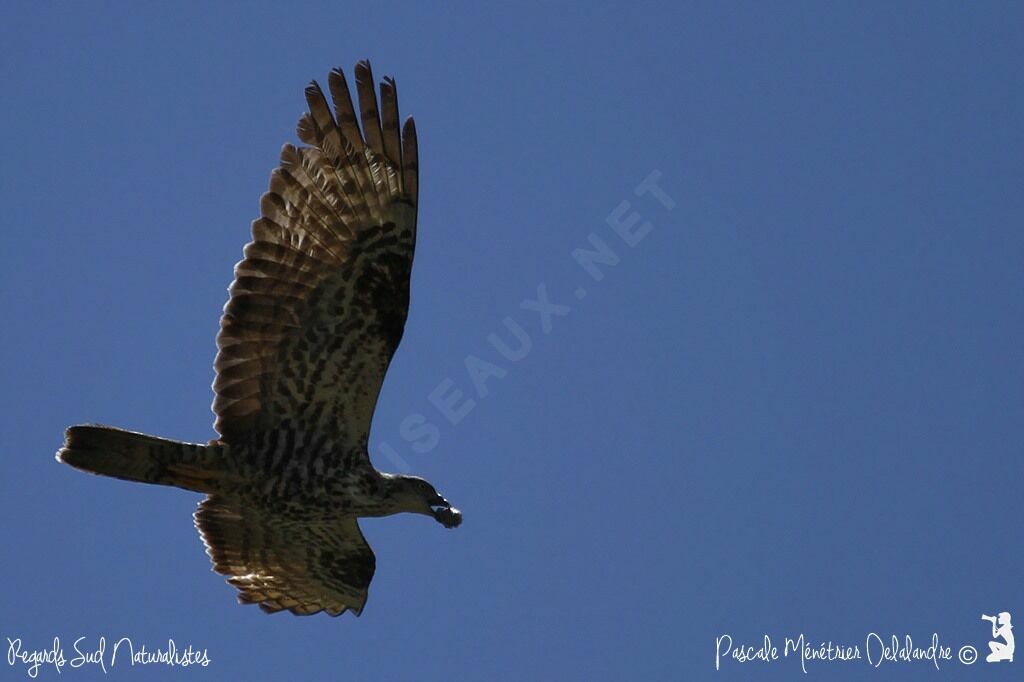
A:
316	311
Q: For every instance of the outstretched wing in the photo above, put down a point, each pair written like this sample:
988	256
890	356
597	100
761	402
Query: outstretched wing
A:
318	305
283	564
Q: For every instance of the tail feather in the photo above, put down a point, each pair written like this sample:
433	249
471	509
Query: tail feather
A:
131	456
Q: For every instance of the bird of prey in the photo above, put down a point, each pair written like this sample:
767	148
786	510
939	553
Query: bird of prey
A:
315	312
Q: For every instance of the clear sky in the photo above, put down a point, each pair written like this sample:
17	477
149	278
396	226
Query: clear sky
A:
794	405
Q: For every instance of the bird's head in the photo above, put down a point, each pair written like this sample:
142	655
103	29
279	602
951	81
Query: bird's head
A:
416	495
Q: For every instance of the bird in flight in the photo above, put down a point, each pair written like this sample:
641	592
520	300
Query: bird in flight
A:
314	315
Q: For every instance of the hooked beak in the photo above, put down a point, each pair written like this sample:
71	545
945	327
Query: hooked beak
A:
444	513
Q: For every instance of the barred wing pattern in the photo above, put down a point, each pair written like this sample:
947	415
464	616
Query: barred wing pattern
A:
287	564
316	311
319	303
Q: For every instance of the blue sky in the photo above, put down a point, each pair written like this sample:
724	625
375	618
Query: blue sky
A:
793	406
